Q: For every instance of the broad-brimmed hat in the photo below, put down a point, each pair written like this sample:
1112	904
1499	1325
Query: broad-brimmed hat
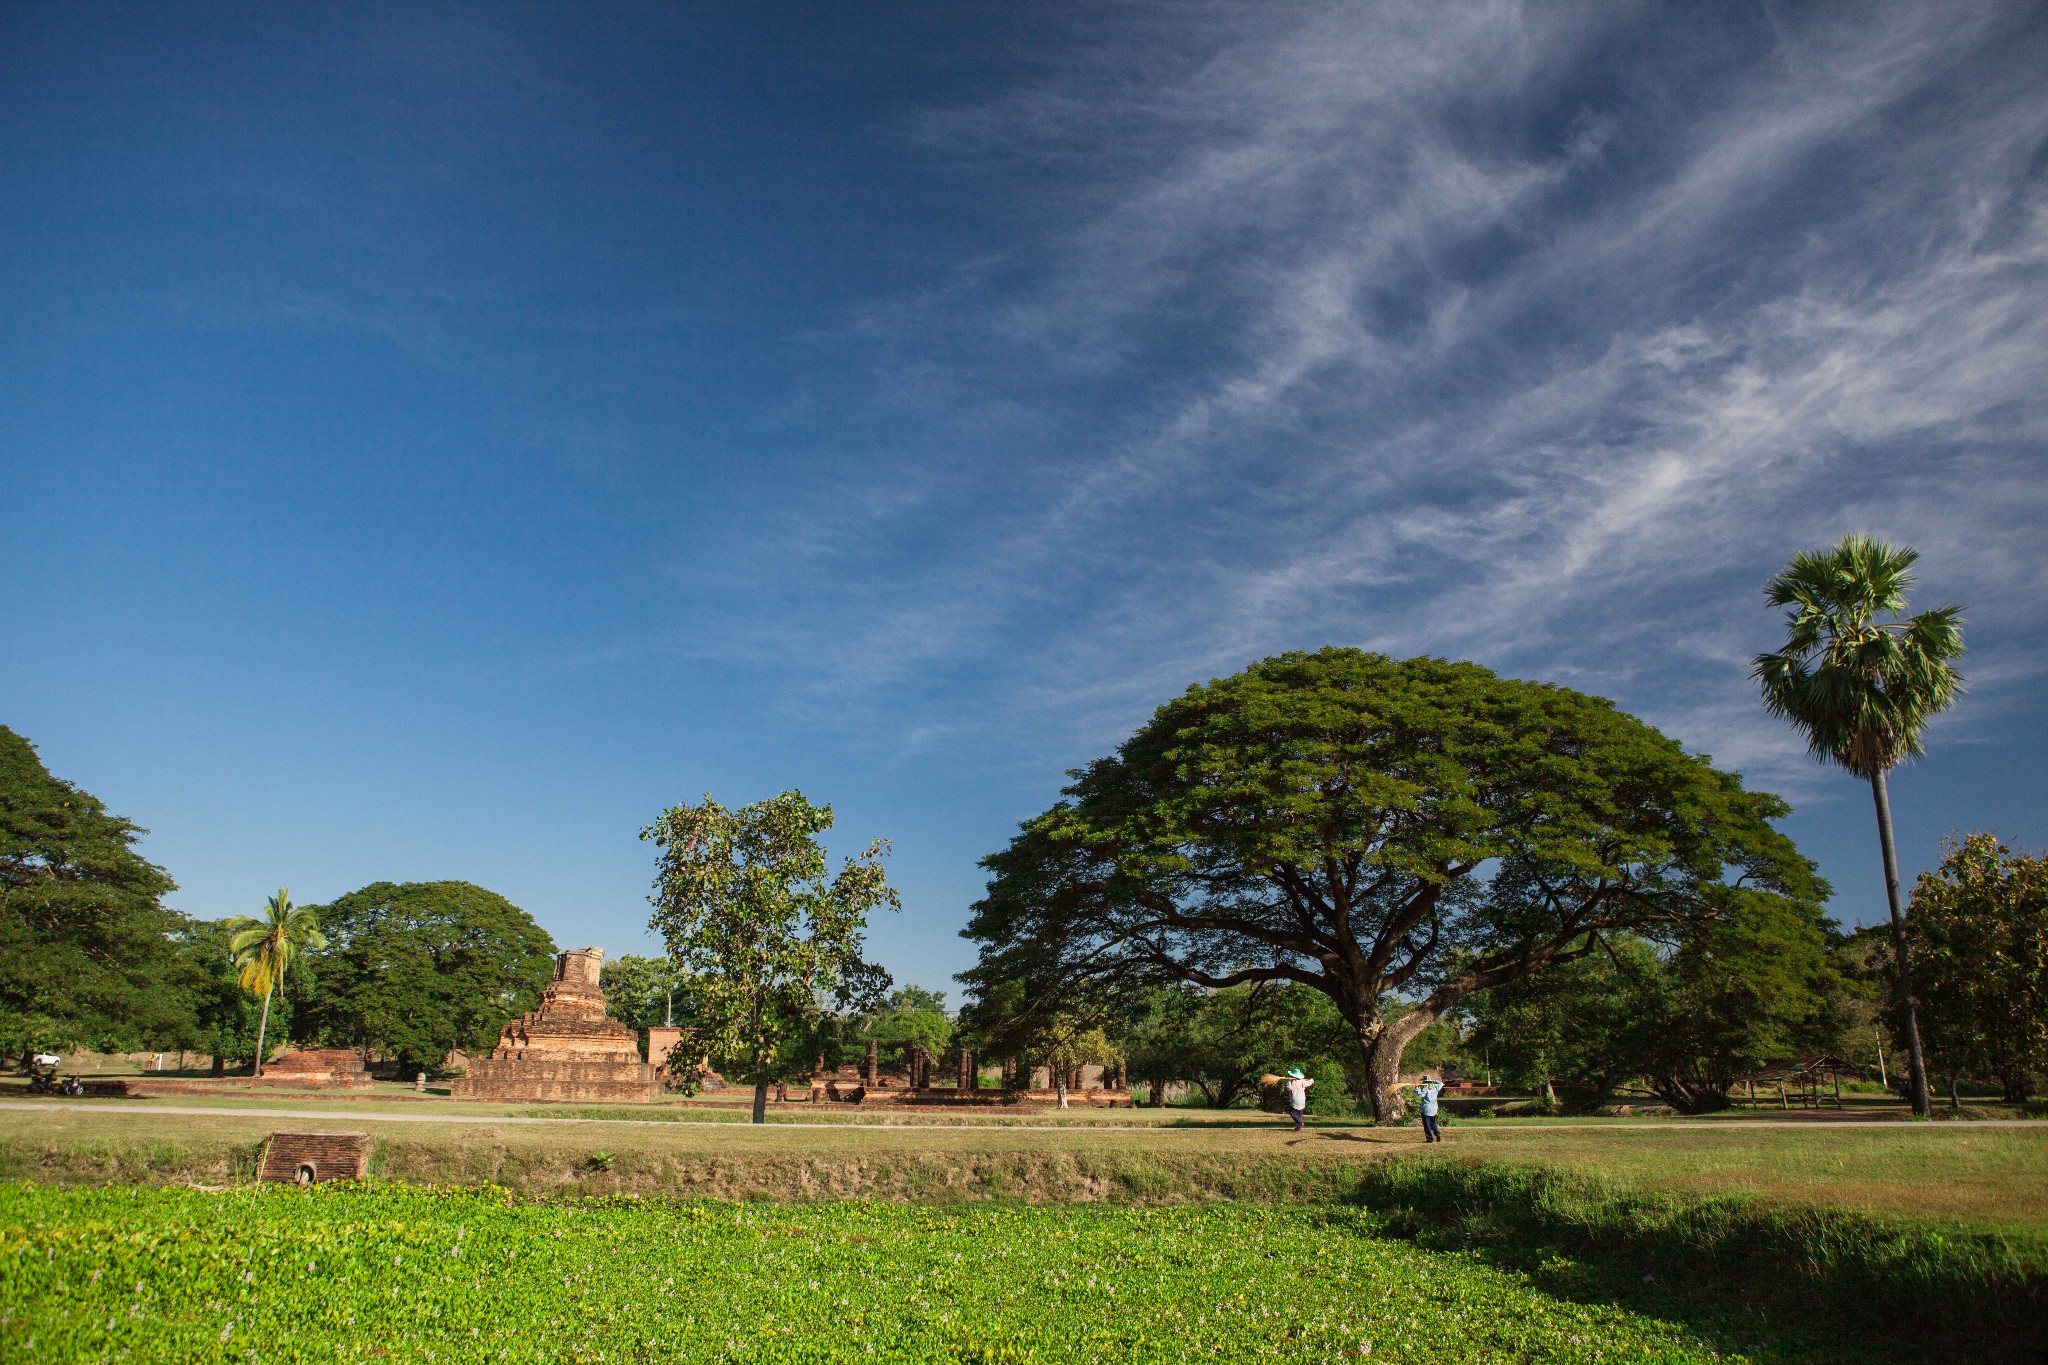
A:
1296	1073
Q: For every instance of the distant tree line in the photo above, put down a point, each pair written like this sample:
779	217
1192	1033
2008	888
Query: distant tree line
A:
90	957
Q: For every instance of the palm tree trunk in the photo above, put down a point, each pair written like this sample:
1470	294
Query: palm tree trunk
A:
1909	1014
256	1067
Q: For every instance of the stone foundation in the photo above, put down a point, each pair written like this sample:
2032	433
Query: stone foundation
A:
566	1049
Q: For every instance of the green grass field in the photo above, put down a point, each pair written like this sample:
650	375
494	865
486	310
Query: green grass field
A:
353	1274
1786	1241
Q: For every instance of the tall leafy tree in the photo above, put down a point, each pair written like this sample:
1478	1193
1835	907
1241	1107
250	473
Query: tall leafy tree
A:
1564	1032
1979	934
1686	1024
85	940
754	915
912	1014
265	947
416	969
221	1019
1376	830
1752	989
642	992
1861	680
1221	1042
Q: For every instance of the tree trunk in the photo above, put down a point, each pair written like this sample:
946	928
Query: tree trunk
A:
256	1067
760	1076
1383	1043
1909	1020
1060	1075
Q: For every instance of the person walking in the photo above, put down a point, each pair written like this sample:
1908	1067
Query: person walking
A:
1297	1096
1427	1093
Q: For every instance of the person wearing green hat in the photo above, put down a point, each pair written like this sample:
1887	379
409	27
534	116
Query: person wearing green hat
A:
1297	1096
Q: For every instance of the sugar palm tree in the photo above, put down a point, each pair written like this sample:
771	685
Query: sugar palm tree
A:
264	947
1862	683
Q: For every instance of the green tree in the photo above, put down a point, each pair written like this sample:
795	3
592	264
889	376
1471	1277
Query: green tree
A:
914	1015
85	941
1223	1041
752	914
223	1020
1158	1038
1373	828
1740	993
1685	1023
1063	1043
265	946
1979	939
415	969
1565	1033
1862	684
642	992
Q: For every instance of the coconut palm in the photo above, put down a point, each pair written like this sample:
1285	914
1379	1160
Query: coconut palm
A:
1862	683
264	946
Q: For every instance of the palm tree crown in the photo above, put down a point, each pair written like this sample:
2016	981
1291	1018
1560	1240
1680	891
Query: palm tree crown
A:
264	946
1860	682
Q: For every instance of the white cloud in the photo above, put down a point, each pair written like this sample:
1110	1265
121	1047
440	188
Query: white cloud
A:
1328	348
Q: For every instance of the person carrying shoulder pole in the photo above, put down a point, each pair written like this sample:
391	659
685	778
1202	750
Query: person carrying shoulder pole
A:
1427	1092
1297	1096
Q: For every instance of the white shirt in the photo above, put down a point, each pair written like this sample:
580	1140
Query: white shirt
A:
1428	1093
1297	1093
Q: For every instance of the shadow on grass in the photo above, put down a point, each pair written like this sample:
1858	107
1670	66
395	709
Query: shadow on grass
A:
1777	1283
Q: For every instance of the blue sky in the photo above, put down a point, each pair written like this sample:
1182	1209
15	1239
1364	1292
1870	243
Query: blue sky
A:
436	438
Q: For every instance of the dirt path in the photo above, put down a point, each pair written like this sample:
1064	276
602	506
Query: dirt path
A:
1694	1126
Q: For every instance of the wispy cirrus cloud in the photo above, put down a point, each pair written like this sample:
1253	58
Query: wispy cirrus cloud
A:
1535	334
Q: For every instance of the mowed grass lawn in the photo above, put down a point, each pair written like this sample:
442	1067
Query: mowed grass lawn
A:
1968	1174
400	1274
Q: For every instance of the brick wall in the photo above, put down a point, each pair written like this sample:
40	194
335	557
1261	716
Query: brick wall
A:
331	1156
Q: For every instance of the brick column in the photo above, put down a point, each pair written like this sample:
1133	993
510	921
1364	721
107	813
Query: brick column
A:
966	1080
870	1065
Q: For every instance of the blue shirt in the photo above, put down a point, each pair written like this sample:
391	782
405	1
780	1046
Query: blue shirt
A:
1428	1093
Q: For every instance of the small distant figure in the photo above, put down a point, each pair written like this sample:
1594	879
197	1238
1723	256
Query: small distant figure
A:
1297	1096
1427	1093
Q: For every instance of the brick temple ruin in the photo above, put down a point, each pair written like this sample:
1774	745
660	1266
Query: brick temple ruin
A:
317	1066
914	1076
566	1049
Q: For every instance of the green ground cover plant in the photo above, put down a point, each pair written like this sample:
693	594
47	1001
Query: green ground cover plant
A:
399	1273
1801	1278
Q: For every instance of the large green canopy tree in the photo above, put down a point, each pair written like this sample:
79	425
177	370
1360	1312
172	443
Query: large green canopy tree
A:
1375	829
86	951
1862	684
418	968
1979	937
754	916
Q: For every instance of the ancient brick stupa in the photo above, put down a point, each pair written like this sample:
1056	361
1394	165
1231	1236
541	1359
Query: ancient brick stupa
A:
566	1049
